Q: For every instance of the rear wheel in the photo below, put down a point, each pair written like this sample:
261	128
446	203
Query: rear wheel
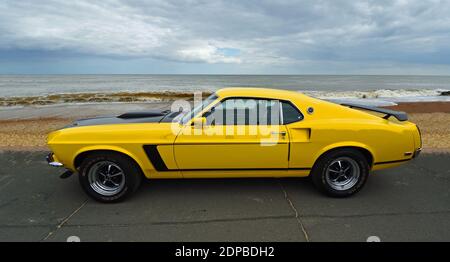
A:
341	173
109	177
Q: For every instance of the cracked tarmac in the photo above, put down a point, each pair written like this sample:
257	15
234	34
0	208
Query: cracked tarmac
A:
408	203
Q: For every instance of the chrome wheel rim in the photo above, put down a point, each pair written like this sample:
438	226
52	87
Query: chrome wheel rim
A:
342	173
106	178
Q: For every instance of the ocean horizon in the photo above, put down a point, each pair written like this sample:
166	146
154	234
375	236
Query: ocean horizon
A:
99	88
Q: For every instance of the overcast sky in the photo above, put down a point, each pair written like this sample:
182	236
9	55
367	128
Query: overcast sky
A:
229	37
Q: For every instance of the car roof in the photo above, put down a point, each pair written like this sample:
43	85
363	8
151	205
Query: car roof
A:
260	93
303	102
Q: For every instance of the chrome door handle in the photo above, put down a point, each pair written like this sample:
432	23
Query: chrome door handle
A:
283	133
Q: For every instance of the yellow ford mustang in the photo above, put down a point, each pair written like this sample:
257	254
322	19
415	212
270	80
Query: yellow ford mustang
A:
236	132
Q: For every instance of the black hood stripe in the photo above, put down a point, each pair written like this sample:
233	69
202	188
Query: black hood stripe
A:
129	118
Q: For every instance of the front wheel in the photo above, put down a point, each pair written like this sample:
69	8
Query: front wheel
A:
109	177
341	173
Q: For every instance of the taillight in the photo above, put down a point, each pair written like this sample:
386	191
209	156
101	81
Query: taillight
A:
420	135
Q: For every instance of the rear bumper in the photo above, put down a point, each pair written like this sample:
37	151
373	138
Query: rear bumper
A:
52	162
417	152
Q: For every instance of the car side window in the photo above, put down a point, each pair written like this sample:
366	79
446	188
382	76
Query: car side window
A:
244	111
290	113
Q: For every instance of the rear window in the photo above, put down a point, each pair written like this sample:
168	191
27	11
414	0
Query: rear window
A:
290	113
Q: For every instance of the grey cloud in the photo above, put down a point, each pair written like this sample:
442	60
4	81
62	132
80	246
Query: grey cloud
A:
264	32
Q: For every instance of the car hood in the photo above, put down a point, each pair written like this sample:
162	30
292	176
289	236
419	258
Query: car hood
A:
152	116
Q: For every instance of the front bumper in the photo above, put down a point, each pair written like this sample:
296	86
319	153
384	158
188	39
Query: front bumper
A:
51	161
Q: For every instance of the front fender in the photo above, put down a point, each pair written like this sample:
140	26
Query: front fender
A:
104	148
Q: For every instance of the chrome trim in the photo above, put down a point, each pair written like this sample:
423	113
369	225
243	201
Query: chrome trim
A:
106	178
342	173
417	152
55	164
280	105
52	162
282	133
256	98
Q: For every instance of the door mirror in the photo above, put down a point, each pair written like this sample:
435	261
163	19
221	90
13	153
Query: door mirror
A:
198	122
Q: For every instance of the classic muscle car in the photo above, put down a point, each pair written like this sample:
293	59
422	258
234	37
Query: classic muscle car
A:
236	132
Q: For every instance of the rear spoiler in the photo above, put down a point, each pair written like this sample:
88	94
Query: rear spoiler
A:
401	116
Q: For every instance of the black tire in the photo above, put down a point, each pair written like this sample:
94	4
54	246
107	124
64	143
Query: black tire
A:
129	181
358	164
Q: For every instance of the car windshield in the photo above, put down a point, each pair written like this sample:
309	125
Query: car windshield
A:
189	115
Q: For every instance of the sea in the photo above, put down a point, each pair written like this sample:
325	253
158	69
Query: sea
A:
44	90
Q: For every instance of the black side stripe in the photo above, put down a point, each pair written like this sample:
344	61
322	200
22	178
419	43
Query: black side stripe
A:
158	163
155	158
228	143
246	169
391	162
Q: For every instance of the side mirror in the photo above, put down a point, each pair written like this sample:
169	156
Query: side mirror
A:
198	122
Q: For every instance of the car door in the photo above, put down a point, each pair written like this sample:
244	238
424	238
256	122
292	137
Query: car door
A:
240	134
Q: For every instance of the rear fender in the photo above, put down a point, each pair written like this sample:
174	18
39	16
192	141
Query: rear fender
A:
345	144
